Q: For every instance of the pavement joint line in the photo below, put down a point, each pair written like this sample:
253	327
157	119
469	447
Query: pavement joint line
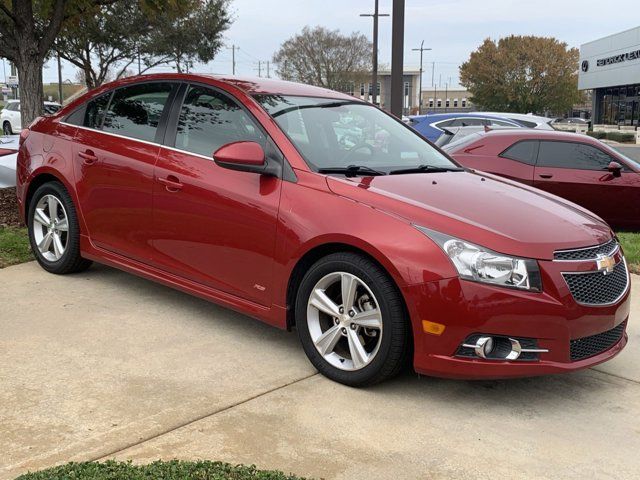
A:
202	417
616	376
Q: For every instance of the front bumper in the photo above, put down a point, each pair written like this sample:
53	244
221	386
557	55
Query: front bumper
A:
552	317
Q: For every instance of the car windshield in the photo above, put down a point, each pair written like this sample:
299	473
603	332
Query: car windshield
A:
462	142
628	159
336	134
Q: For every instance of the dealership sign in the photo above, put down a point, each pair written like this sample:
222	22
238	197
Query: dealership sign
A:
623	57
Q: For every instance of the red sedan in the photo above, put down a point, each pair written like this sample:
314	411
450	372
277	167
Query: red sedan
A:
575	167
306	208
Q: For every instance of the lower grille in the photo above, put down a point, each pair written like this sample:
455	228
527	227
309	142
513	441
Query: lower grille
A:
589	346
596	288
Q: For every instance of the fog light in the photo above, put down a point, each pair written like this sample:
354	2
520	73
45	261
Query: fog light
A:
483	347
499	348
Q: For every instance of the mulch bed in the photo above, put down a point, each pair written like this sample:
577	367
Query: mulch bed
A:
9	216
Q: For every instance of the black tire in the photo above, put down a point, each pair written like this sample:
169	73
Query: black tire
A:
70	261
6	128
394	347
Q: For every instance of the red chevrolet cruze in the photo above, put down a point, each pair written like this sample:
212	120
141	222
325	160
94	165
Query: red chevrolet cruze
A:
305	207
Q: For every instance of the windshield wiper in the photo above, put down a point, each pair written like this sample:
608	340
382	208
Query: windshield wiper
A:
425	169
352	170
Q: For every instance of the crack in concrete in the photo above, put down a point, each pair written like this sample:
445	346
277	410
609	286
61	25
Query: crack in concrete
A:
202	417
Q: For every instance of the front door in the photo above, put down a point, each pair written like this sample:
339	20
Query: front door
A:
213	225
115	150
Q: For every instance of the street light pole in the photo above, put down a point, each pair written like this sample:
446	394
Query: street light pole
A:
374	74
421	50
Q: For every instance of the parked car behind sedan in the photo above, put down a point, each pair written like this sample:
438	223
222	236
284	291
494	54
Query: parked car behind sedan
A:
526	119
576	167
432	126
10	117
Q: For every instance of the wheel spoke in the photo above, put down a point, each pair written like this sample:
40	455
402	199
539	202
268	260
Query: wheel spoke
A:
328	340
359	355
322	302
348	284
58	248
41	217
53	207
63	225
368	319
45	243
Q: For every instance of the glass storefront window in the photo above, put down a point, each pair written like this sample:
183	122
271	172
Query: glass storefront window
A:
620	106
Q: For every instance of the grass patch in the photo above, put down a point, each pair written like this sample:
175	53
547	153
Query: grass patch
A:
172	470
14	246
631	245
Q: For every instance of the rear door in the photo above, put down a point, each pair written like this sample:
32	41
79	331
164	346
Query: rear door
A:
115	150
579	172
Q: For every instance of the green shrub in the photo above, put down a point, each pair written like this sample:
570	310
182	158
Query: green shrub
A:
622	137
598	135
159	470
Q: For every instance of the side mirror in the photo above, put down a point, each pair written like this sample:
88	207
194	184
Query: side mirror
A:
615	169
246	157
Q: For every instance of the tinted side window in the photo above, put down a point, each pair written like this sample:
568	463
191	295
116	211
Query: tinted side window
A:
471	122
209	120
135	111
500	123
524	152
94	114
572	155
448	123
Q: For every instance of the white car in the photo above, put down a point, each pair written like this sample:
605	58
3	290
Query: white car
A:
526	119
10	115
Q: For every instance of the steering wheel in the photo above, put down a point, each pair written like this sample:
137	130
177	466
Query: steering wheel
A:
354	149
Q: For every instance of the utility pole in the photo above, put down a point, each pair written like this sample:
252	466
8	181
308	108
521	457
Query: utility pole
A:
374	62
397	57
139	65
433	70
268	75
421	49
260	68
233	59
446	95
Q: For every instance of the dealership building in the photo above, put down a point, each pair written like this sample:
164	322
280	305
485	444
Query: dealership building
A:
610	66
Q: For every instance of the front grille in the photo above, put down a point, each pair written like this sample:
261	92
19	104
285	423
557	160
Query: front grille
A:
590	253
589	346
596	288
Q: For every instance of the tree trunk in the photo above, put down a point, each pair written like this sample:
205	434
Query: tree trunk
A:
31	93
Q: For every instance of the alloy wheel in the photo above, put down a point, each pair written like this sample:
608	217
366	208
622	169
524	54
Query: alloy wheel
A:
345	321
50	228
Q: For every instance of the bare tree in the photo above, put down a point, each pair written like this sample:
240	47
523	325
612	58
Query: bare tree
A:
326	58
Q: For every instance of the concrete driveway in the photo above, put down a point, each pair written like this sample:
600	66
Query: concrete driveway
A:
106	365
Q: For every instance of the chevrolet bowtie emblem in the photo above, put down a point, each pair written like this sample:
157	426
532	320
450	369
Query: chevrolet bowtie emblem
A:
605	264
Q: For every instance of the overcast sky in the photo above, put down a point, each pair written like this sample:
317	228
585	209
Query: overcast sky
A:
453	28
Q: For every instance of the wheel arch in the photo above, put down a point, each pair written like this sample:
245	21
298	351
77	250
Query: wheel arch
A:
319	251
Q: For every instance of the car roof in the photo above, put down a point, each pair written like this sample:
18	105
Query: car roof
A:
444	116
521	116
534	134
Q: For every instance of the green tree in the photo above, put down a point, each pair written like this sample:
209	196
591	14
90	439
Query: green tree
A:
185	39
28	29
522	74
323	57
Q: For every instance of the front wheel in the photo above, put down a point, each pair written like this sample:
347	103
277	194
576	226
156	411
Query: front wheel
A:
54	232
351	320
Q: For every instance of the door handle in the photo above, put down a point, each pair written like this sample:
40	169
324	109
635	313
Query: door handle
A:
88	157
546	175
171	183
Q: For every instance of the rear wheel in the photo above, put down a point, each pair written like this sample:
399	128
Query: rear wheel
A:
6	128
351	320
54	233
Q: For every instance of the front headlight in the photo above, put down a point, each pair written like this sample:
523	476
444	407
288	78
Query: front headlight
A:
483	265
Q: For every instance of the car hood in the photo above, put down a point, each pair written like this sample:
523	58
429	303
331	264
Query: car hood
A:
496	213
